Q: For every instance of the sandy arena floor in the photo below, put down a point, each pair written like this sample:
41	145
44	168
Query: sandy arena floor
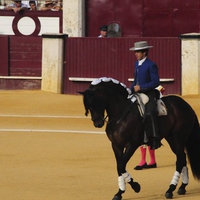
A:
50	151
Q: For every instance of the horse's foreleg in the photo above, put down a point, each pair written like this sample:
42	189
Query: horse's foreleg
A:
122	188
118	151
185	180
135	185
127	177
124	177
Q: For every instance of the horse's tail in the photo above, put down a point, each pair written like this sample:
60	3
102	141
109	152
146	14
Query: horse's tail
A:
193	150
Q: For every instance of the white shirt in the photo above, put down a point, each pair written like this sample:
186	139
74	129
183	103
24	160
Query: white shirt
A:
27	3
141	61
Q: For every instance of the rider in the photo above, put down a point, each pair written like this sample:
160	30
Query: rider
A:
146	78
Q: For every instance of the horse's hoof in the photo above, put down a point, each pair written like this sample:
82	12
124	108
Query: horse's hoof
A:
181	191
168	195
136	186
117	197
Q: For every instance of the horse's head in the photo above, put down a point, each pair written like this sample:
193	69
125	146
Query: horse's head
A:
103	94
95	103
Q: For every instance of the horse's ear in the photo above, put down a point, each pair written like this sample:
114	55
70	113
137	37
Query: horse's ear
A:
86	112
86	109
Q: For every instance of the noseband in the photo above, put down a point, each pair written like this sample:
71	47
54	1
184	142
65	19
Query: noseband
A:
102	118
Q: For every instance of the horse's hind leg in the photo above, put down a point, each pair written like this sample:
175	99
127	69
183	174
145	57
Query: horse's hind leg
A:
185	180
180	163
172	186
174	182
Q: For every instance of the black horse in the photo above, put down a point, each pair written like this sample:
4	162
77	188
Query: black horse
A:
125	130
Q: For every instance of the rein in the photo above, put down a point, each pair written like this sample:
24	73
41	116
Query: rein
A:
123	115
104	119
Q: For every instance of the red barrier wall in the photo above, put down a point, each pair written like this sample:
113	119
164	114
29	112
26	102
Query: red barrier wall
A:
88	58
94	58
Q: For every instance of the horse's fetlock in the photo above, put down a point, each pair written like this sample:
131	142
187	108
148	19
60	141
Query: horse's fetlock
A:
135	186
182	190
172	187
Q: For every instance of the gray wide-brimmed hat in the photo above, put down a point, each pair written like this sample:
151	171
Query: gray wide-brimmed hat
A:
140	45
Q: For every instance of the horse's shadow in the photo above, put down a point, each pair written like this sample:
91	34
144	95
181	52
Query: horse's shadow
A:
192	193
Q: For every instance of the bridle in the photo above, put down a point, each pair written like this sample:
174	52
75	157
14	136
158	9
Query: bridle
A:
125	112
103	119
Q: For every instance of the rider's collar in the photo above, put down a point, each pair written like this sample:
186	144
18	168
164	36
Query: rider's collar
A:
141	61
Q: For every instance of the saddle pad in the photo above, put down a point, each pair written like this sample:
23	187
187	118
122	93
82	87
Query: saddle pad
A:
162	110
140	97
143	99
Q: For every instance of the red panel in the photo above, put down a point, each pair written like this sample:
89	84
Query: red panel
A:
25	56
187	16
4	56
159	5
130	17
13	84
98	13
157	23
157	18
186	4
25	71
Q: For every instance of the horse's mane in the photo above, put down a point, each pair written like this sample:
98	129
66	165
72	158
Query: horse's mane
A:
112	86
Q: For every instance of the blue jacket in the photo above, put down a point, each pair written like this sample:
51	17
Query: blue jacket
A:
146	76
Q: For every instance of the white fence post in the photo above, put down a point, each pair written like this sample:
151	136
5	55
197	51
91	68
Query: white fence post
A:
74	18
53	46
190	59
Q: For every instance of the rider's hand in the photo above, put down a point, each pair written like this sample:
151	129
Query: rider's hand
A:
137	88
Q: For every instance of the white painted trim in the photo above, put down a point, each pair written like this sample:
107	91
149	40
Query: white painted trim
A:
81	79
49	131
161	79
43	116
21	77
